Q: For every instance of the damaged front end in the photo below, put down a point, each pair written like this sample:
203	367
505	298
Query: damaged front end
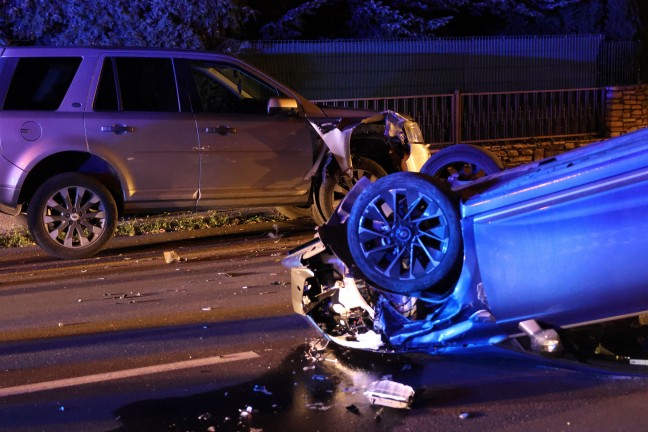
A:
340	300
405	146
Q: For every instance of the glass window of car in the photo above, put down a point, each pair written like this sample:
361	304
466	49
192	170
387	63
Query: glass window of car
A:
225	89
40	83
139	84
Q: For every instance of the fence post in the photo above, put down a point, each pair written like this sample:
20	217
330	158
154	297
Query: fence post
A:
456	117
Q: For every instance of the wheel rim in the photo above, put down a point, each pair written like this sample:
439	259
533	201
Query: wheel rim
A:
345	183
463	171
74	217
403	234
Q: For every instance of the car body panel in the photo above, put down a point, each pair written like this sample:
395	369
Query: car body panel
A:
569	228
144	156
261	150
554	244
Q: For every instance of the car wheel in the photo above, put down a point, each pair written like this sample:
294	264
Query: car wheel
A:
72	216
404	235
335	186
462	162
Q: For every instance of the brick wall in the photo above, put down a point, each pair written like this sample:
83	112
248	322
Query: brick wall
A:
626	111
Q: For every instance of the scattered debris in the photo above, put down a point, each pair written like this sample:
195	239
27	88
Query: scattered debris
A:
171	256
319	406
205	416
464	415
275	232
206	308
246	412
353	409
390	394
262	389
379	414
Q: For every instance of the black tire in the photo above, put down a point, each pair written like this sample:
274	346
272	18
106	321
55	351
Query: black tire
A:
294	212
336	185
404	235
72	216
462	162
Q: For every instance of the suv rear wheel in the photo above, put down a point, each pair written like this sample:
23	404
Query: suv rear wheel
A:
336	186
72	216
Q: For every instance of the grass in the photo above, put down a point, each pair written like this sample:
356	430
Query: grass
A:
171	222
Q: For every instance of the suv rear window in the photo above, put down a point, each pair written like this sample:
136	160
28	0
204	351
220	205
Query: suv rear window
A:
40	83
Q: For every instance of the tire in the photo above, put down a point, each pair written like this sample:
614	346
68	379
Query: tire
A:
414	248
72	216
294	212
336	185
461	162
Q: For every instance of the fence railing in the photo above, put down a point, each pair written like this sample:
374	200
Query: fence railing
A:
480	117
394	68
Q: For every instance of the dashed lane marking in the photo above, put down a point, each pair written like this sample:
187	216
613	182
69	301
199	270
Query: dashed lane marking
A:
129	373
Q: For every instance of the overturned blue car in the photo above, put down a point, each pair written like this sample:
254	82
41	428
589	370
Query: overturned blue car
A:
529	256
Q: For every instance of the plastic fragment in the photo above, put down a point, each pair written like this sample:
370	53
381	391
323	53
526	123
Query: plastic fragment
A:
262	389
390	394
205	416
464	415
379	414
353	409
246	412
171	256
319	377
275	232
319	406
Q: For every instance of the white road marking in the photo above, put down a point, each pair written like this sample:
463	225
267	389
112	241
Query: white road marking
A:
89	379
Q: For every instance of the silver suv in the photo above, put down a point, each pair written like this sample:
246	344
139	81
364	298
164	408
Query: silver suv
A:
89	134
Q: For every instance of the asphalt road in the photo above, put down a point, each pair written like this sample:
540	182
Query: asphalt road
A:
128	342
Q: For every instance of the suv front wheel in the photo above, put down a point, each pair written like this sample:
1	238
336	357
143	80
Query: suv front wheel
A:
72	216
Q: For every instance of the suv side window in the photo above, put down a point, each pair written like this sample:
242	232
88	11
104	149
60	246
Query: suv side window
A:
40	83
224	89
137	84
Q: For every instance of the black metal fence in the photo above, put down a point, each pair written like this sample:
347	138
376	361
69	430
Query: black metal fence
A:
481	117
352	69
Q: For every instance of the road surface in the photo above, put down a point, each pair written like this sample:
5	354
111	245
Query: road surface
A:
128	342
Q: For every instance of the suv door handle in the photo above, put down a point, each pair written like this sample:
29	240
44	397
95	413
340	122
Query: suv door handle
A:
222	130
118	129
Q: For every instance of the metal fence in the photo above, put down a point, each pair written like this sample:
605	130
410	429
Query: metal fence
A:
392	68
481	117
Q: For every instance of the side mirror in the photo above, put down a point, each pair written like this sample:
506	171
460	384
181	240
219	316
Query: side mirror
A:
278	105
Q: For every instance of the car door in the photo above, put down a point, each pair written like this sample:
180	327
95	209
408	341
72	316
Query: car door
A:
139	126
248	157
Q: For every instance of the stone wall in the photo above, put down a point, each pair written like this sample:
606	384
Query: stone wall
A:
626	111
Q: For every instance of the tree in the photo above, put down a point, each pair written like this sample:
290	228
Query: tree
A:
156	23
406	19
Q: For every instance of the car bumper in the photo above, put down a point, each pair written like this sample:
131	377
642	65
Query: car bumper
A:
9	193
